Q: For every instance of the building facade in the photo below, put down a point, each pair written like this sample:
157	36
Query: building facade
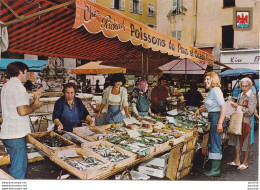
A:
139	10
215	26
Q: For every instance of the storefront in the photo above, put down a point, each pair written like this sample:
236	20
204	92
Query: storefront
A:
249	58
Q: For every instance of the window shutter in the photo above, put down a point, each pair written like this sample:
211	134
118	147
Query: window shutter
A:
140	7
112	4
179	35
122	7
174	34
174	6
180	7
131	3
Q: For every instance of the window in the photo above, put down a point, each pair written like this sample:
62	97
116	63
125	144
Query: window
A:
227	36
177	34
136	6
152	26
150	9
117	4
228	3
177	7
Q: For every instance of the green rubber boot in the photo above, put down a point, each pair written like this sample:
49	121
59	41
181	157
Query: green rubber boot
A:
215	169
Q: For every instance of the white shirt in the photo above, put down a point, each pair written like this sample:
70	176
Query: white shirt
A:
14	94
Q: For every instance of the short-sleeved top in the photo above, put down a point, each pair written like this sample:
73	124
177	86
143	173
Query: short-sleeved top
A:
123	96
214	100
13	95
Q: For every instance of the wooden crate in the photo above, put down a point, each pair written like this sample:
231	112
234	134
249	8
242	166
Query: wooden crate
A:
181	159
158	147
4	175
122	163
48	150
184	172
81	131
87	174
173	162
4	159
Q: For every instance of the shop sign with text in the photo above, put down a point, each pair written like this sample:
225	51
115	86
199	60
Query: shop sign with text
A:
96	18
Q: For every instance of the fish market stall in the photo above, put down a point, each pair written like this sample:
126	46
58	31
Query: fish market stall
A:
110	155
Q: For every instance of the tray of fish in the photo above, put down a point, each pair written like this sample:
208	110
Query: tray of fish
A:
49	141
124	141
115	128
92	135
158	140
110	152
81	163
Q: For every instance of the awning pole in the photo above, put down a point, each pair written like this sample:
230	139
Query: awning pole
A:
22	18
142	68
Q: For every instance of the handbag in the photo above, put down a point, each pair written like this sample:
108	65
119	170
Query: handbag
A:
235	124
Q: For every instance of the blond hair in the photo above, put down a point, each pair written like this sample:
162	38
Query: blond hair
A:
215	81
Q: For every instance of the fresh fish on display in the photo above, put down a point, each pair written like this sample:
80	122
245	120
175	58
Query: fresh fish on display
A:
100	136
52	141
82	163
109	153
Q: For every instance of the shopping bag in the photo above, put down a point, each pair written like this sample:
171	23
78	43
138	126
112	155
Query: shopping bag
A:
235	124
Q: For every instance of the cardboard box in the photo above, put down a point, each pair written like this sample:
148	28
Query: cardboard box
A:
152	171
160	161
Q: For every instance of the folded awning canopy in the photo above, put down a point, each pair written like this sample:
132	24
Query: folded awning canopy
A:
55	28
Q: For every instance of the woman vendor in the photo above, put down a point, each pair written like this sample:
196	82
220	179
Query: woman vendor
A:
116	101
69	110
246	103
140	101
215	105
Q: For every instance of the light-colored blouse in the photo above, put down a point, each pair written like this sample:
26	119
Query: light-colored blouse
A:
122	94
214	100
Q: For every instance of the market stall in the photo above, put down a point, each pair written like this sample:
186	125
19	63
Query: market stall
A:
109	149
139	47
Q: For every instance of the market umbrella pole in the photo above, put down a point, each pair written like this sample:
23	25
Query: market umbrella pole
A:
142	68
147	67
185	72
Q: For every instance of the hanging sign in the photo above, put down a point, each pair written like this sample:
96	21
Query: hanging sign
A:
96	18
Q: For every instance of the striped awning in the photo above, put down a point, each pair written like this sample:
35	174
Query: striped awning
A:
52	34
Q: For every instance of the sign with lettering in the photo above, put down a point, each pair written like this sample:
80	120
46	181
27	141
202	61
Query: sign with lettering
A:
96	18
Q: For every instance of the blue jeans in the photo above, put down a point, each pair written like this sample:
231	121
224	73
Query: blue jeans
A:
214	143
16	148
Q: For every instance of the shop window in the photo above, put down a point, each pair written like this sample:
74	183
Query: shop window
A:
117	4
136	6
177	7
177	34
228	3
227	36
150	9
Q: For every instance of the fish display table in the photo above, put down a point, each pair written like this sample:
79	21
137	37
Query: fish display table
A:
121	146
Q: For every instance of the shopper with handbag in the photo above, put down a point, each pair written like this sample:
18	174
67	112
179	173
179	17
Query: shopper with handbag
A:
215	105
247	103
